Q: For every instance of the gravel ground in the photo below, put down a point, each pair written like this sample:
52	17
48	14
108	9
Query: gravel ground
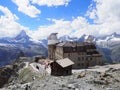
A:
97	78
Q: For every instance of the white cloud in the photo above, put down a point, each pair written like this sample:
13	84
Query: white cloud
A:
50	3
76	27
28	6
60	26
25	7
8	25
106	14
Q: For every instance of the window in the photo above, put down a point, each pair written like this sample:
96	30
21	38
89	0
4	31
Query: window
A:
82	58
79	59
86	58
78	64
74	49
82	64
91	58
68	54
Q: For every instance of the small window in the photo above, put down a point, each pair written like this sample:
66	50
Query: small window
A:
68	54
74	49
79	59
86	58
78	64
82	64
82	58
91	58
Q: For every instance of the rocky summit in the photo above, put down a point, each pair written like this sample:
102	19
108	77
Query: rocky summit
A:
25	75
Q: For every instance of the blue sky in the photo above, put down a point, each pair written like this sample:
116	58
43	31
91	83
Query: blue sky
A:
74	9
39	18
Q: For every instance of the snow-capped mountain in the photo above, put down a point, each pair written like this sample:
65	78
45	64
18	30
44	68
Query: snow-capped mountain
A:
22	37
87	38
113	37
109	40
105	41
109	45
68	38
10	47
83	38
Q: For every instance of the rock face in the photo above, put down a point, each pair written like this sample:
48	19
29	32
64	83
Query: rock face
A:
31	79
5	74
21	72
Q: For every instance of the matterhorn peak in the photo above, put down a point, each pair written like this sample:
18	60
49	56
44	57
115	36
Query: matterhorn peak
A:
22	34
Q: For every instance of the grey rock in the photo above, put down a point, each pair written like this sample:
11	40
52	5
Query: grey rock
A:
71	86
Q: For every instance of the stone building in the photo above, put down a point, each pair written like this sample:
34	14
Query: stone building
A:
83	54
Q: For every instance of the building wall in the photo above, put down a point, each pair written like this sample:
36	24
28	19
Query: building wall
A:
99	60
81	56
71	56
57	70
59	53
51	52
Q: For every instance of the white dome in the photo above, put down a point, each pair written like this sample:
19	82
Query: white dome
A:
52	36
52	39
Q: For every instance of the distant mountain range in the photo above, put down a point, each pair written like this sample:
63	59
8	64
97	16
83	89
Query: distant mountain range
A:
108	45
11	47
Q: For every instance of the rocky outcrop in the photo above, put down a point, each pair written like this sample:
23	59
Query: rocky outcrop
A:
84	80
5	74
108	79
25	75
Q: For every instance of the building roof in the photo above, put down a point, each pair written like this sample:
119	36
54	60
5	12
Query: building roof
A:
61	44
73	44
67	44
65	62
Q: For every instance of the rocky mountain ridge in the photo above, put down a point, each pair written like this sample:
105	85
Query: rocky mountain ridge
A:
11	47
108	45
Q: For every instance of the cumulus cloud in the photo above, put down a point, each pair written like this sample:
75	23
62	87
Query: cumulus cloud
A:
50	3
8	23
25	7
104	13
28	6
59	26
76	27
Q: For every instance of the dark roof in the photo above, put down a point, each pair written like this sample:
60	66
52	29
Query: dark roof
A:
61	44
73	44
